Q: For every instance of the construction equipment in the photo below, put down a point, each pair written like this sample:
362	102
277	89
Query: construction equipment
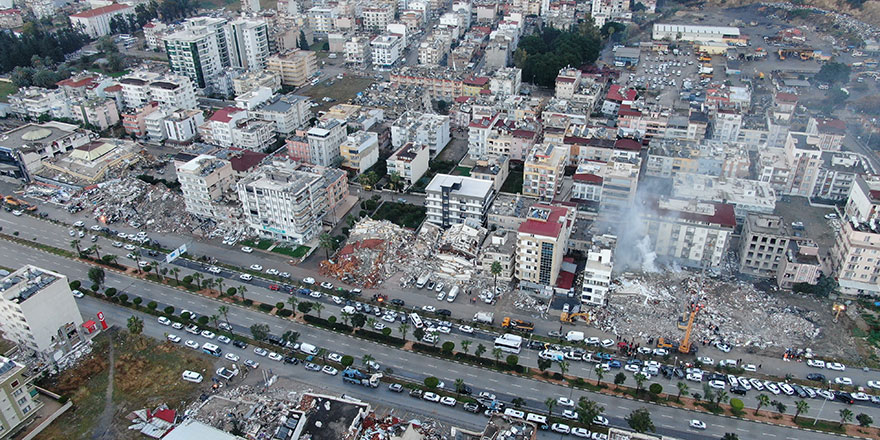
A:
663	343
517	324
837	308
685	346
355	376
570	317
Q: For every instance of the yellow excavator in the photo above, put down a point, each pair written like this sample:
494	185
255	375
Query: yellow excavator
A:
686	346
570	317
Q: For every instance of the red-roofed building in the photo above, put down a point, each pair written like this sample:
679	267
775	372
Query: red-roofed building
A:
542	240
473	86
79	86
616	97
243	161
10	19
96	22
690	232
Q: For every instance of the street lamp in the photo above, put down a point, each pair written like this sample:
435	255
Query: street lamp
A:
816	420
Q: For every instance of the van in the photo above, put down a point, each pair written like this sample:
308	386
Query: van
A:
416	320
308	349
192	376
350	310
574	336
537	419
452	294
516	414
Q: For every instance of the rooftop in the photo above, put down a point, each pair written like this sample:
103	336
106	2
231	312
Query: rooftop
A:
25	282
329	418
710	213
101	11
461	186
36	134
544	220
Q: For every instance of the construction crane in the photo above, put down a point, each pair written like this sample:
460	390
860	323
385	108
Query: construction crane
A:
685	346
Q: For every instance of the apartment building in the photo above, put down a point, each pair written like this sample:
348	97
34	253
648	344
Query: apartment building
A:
597	276
543	171
385	50
96	22
421	128
567	82
249	45
254	80
432	51
689	232
377	17
295	67
856	251
134	119
182	127
357	52
283	203
506	81
410	162
38	312
831	132
153	32
765	240
804	158
322	20
18	395
285	112
499	247
324	141
360	151
171	92
100	112
799	265
231	126
34	102
453	199
200	51
203	182
218	128
542	241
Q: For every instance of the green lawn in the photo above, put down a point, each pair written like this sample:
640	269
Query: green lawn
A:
297	252
403	214
514	182
262	244
462	171
6	89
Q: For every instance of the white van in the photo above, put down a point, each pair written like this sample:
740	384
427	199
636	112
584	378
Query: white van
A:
308	349
574	336
452	294
350	310
515	413
416	320
192	376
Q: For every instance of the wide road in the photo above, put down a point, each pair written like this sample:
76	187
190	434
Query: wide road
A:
670	421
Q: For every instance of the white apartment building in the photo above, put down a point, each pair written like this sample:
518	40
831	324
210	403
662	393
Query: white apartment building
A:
203	181
33	102
377	17
155	125
453	199
41	8
253	134
96	22
360	151
726	126
690	232
286	112
385	50
249	45
597	277
506	81
357	52
200	51
38	312
543	171
19	397
542	241
282	203
153	34
432	51
322	20
421	128
324	141
181	127
171	92
855	257
410	162
218	128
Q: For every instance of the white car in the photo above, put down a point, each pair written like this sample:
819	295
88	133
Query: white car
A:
430	309
697	424
231	357
466	329
79	224
595	341
632	368
560	428
329	370
224	339
336	300
214	269
247	249
260	351
815	363
843	381
569	414
600	420
275	357
757	384
431	397
661	352
705	360
176	325
444	330
316	294
836	366
245	277
874	384
448	401
129	247
192	344
607	343
580	432
750	368
208	334
441	296
326	285
772	387
117	244
335	357
164	321
860	396
76	293
695	377
717	384
723	347
174	338
388	318
786	388
379	326
309	280
565	401
271	271
256	267
641	350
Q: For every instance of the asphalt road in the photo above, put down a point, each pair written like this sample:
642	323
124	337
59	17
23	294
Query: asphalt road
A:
670	421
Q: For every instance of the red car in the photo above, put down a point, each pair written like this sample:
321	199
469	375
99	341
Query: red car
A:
273	287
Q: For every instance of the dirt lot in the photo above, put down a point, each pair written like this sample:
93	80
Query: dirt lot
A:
136	358
342	91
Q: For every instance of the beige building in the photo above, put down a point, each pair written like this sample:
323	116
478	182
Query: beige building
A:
203	182
295	67
690	232
764	243
254	80
39	313
499	247
360	151
542	241
855	257
17	396
804	159
800	264
410	162
543	171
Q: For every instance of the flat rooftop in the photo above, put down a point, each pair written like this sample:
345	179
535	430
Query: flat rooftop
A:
25	283
36	134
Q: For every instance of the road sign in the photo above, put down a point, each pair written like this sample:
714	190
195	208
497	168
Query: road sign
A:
175	253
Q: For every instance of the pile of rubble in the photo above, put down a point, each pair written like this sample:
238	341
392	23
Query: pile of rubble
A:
530	303
374	251
736	313
155	423
154	208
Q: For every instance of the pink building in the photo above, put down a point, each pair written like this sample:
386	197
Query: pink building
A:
298	147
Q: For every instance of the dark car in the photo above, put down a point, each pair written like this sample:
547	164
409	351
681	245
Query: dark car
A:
466	390
415	392
291	360
275	340
738	390
536	345
819	377
472	407
843	397
239	344
679	373
398	302
444	312
799	390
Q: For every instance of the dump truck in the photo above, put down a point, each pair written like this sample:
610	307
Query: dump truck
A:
357	377
517	324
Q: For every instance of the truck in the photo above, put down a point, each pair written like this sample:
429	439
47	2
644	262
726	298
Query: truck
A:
517	324
357	377
574	336
484	317
423	279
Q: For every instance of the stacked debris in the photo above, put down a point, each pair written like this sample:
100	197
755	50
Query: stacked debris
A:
375	250
155	423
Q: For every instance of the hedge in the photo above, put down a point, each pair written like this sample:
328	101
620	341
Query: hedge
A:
379	337
284	313
266	307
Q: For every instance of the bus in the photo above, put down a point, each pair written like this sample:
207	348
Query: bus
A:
212	349
538	419
416	320
509	343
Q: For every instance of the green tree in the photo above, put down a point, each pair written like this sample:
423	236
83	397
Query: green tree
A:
720	396
495	269
402	328
431	382
800	407
292	301
682	389
497	353
518	402
512	360
544	364
619	378
846	416
290	336
640	380
304	307
135	325
730	436
302	41
328	243
74	244
640	421
96	276
655	389
241	291
763	400
465	345
600	374
563	367
260	331
780	407
447	347
175	271
864	420
317	307
358	320
587	410
347	361
736	405
346	317
833	72
418	334
550	403
480	350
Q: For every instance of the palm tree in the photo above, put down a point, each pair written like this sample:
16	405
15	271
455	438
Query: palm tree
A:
600	373
216	320
466	345
371	322
135	325
110	258
459	384
495	270
497	353
346	317
366	360
640	380
137	259
394	178
241	291
175	271
550	402
327	242
563	367
97	248
197	278
480	350
224	310
763	400
402	328
846	416
293	301
219	282
74	244
317	307
720	396
682	389
800	407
